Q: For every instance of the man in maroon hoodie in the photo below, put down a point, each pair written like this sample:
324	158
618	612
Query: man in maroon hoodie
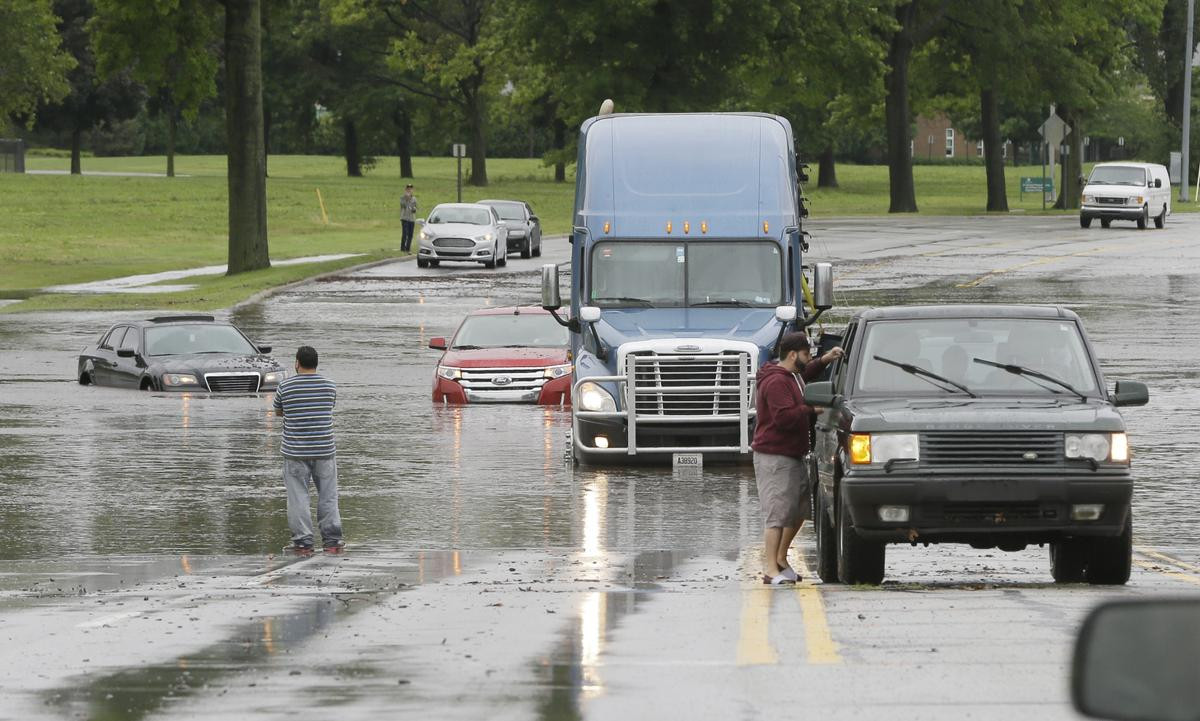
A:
781	439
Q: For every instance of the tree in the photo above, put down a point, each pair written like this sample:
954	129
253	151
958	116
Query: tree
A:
168	46
247	174
91	100
33	63
1159	54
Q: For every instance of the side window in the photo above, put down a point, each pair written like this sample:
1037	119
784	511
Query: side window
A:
131	339
113	335
841	366
115	338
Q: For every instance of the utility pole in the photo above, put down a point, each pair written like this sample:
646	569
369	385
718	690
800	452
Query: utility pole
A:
1187	101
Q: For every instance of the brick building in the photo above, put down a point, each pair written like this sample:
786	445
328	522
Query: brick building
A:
937	139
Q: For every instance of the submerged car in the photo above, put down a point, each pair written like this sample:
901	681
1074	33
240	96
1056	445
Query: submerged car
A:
188	353
463	232
977	424
524	228
504	355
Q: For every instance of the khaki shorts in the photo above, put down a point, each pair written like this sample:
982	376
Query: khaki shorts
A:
783	491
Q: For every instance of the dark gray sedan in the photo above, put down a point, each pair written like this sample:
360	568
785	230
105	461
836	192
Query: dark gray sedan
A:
524	228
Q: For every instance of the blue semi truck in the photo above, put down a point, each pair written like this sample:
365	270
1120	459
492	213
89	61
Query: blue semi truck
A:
686	269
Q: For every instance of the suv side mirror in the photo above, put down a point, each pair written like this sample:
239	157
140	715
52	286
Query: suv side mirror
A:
438	343
126	353
534	219
1136	660
1158	182
1130	393
819	394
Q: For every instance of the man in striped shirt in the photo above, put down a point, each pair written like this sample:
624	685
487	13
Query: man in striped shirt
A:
306	402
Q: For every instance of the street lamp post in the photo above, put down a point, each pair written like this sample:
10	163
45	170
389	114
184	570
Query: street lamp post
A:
1187	101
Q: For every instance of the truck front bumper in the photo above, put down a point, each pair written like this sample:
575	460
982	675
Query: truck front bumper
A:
1112	212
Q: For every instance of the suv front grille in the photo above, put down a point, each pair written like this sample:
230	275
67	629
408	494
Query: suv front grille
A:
232	382
484	380
719	376
991	448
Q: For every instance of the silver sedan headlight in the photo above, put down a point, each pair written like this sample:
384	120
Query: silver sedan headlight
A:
487	237
427	235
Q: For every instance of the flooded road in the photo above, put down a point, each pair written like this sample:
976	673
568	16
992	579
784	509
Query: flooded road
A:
487	578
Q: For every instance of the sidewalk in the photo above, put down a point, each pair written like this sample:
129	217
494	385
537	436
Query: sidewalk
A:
146	283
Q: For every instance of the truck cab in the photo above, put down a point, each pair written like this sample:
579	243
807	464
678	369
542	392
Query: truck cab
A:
686	268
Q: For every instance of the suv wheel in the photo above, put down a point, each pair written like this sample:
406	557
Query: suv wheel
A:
1160	220
1109	559
1144	219
527	248
827	559
1067	560
858	560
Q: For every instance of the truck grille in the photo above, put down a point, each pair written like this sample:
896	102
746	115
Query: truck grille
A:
453	243
991	448
688	386
1104	200
997	513
485	380
232	382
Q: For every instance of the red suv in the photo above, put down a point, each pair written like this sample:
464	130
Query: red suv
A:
504	355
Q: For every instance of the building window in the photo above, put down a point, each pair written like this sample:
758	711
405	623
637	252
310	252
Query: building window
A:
949	142
979	149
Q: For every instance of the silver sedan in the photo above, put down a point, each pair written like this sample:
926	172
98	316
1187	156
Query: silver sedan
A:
463	232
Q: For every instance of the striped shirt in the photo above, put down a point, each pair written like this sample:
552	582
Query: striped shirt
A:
306	401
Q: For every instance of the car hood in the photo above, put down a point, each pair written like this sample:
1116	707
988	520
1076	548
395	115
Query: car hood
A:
1115	190
998	414
505	358
457	230
213	363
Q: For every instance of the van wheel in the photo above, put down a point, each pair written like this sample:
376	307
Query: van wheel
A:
1067	560
1144	220
1085	221
1160	220
827	559
858	560
1105	222
1109	559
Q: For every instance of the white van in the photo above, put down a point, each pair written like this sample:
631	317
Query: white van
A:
1127	191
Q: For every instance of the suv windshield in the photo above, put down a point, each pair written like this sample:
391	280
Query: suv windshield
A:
470	216
509	211
739	273
181	339
527	330
949	347
1118	175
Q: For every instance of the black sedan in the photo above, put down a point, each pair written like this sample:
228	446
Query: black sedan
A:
188	353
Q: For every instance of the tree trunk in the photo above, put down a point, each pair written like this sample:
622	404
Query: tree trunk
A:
900	174
172	123
560	144
353	160
266	139
76	143
244	133
404	145
993	151
827	171
1069	188
477	117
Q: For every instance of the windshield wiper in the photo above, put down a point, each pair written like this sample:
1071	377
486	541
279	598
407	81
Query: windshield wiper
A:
623	299
733	302
466	347
920	372
1023	372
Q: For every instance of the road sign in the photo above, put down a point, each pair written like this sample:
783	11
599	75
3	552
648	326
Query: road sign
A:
458	150
1054	129
1037	185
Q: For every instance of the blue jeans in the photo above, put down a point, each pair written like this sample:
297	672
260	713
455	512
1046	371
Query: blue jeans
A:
406	234
297	472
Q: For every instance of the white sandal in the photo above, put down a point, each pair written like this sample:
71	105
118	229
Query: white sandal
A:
791	574
780	580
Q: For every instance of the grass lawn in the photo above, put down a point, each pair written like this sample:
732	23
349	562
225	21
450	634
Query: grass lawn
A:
58	229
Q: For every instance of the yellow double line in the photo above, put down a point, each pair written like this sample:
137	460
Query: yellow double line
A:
755	645
1187	574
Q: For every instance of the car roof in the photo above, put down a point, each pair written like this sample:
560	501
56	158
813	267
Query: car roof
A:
477	206
1127	164
511	310
502	200
913	312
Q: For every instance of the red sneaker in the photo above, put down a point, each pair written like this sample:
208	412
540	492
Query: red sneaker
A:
298	550
337	548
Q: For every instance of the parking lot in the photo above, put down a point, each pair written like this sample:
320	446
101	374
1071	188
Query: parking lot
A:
486	577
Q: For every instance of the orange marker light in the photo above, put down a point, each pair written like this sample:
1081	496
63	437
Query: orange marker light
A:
704	226
860	448
687	227
766	227
607	226
668	226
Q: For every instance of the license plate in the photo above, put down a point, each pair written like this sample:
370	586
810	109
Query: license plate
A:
687	460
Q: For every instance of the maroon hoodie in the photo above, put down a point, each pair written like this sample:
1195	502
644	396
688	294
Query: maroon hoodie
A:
783	420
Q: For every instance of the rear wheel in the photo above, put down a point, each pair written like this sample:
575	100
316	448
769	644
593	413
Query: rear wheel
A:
1085	221
1067	560
1160	220
527	248
1109	559
858	560
1105	222
827	559
1144	219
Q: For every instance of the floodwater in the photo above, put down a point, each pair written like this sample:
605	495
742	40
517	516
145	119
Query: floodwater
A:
171	506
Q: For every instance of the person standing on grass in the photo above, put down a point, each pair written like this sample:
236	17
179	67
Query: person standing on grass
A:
306	402
781	442
408	217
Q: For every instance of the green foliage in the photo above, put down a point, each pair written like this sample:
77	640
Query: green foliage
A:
33	64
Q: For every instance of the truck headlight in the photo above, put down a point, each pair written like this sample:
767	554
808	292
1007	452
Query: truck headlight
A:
1089	199
594	398
879	448
179	379
557	371
273	378
1139	200
1098	446
450	373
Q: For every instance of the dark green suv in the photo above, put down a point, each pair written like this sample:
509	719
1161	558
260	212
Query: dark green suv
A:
978	424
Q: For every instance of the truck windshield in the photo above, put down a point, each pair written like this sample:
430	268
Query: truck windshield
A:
1118	175
527	330
700	273
947	347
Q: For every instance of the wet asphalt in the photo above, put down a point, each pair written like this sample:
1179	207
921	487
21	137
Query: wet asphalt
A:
485	578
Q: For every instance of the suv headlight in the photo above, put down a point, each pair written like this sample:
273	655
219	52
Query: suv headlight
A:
1098	446
274	378
879	448
450	373
594	398
557	371
179	379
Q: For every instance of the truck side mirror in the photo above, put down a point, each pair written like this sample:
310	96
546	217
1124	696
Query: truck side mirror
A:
819	394
1130	393
551	295
785	313
823	286
1158	182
